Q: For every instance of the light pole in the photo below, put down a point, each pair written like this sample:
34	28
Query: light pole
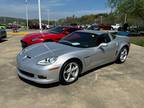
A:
101	19
27	22
39	12
48	16
125	20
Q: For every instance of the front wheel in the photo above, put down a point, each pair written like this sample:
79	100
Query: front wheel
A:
69	73
122	55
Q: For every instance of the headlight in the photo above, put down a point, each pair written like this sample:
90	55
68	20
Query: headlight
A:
47	61
37	38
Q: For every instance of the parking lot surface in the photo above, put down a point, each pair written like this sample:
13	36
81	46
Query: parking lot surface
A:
111	86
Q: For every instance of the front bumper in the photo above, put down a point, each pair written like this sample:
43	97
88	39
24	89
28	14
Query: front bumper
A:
43	76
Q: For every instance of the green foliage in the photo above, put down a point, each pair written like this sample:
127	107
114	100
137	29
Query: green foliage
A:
137	40
134	8
87	19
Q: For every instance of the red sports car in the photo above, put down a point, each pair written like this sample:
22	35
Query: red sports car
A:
54	34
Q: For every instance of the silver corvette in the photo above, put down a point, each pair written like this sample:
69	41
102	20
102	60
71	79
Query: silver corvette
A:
76	53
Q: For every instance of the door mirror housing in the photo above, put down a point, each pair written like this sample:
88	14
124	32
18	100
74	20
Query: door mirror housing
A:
103	45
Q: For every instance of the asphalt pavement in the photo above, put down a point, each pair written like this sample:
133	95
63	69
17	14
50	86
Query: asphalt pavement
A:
110	86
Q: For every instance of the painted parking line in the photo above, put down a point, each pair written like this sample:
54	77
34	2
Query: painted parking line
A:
17	33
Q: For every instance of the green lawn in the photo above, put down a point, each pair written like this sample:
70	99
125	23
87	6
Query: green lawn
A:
137	40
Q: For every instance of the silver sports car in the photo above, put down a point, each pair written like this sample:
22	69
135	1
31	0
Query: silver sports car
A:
76	53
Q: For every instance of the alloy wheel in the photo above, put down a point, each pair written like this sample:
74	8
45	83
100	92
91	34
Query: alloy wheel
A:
71	72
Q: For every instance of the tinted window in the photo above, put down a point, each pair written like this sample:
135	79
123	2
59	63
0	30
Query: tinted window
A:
113	36
80	39
103	39
57	30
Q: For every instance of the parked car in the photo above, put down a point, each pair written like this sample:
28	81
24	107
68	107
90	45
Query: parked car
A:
54	34
2	26
93	27
105	26
116	26
3	34
99	27
76	53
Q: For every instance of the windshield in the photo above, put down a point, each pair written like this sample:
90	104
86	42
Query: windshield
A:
80	39
56	30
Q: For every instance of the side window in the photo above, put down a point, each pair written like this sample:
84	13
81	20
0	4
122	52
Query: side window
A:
106	38
103	39
113	36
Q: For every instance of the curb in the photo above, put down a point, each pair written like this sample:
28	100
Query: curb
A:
18	33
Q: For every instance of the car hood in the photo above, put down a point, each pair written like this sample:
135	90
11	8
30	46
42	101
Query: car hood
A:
35	35
49	49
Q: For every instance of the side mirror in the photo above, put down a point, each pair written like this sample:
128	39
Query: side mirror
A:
103	45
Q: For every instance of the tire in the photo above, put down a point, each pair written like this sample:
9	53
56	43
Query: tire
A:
122	55
67	76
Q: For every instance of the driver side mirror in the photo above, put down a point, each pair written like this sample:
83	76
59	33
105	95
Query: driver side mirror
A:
103	45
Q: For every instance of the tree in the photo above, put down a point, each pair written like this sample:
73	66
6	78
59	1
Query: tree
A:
130	7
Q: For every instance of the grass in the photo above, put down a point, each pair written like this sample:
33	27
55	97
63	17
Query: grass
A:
137	40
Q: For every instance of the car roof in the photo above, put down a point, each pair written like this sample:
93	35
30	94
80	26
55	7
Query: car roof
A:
93	31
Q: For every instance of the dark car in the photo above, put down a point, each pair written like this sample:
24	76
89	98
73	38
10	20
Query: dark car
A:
52	35
94	27
100	26
3	34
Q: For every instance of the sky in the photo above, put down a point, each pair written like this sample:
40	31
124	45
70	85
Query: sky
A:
56	9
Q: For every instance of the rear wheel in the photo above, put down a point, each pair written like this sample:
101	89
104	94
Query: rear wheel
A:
70	72
122	55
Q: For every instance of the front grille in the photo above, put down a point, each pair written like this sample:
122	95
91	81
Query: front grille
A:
26	73
42	77
24	44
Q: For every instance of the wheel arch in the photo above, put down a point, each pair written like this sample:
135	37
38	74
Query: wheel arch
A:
76	60
65	63
127	46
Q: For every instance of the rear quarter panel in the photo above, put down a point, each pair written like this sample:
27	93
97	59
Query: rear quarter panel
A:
122	41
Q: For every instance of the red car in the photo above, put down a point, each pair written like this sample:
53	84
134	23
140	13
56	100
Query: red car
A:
54	34
105	26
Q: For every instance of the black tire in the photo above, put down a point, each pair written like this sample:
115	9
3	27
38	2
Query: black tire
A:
121	59
62	79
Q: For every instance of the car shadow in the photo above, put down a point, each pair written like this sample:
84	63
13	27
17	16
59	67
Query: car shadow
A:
58	83
94	69
40	85
3	40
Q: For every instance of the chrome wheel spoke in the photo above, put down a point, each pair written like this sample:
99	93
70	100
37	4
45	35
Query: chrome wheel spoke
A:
70	67
74	74
123	55
74	68
67	75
